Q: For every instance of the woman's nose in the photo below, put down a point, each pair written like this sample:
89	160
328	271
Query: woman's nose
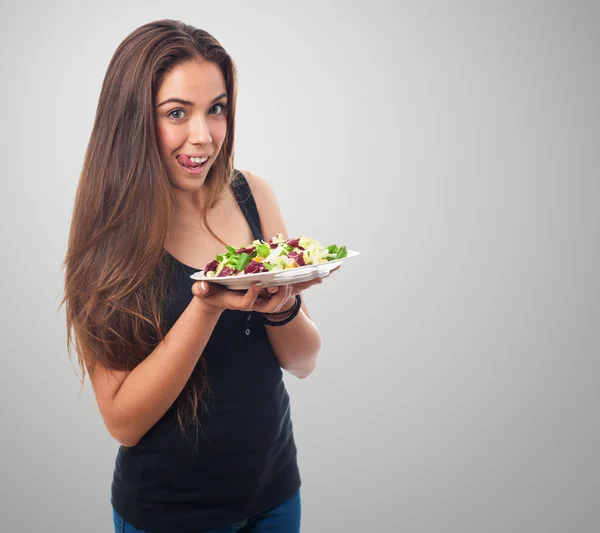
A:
200	133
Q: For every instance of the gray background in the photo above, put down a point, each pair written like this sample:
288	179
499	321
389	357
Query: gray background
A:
454	144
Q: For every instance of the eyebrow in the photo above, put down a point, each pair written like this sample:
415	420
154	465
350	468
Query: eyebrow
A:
186	102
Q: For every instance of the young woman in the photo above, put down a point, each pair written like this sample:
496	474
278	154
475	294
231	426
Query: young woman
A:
187	376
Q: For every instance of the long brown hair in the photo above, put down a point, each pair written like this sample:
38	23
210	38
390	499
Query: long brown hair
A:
116	267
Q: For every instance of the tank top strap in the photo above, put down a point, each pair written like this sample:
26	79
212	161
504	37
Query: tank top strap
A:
245	199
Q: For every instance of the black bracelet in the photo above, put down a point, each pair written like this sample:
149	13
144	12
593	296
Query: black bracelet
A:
294	311
279	313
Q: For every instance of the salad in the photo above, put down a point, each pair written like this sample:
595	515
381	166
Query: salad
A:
273	255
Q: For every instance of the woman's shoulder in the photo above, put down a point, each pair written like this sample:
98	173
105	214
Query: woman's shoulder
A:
272	220
262	191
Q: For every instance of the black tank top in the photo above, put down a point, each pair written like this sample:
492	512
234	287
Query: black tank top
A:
246	455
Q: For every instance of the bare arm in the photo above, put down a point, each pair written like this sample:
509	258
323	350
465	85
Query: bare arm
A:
132	402
297	344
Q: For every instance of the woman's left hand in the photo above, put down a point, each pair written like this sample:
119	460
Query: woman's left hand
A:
293	289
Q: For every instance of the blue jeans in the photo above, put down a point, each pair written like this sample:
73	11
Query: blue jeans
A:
282	519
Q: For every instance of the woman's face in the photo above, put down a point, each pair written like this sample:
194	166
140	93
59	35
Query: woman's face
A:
191	120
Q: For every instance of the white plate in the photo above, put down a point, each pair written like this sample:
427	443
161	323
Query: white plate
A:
281	277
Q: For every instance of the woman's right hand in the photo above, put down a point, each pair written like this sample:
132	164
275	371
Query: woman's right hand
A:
215	298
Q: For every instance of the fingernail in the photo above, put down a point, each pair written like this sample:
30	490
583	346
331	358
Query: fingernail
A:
203	286
257	287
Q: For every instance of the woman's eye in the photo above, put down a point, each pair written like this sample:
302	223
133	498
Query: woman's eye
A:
223	107
170	114
177	114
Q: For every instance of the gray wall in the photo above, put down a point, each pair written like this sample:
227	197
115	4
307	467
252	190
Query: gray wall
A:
451	143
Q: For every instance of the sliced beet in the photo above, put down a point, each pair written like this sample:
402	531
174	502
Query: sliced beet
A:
212	266
226	272
295	243
247	250
254	267
298	257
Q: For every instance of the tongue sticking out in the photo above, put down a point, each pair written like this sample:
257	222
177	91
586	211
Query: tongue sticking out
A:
185	161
